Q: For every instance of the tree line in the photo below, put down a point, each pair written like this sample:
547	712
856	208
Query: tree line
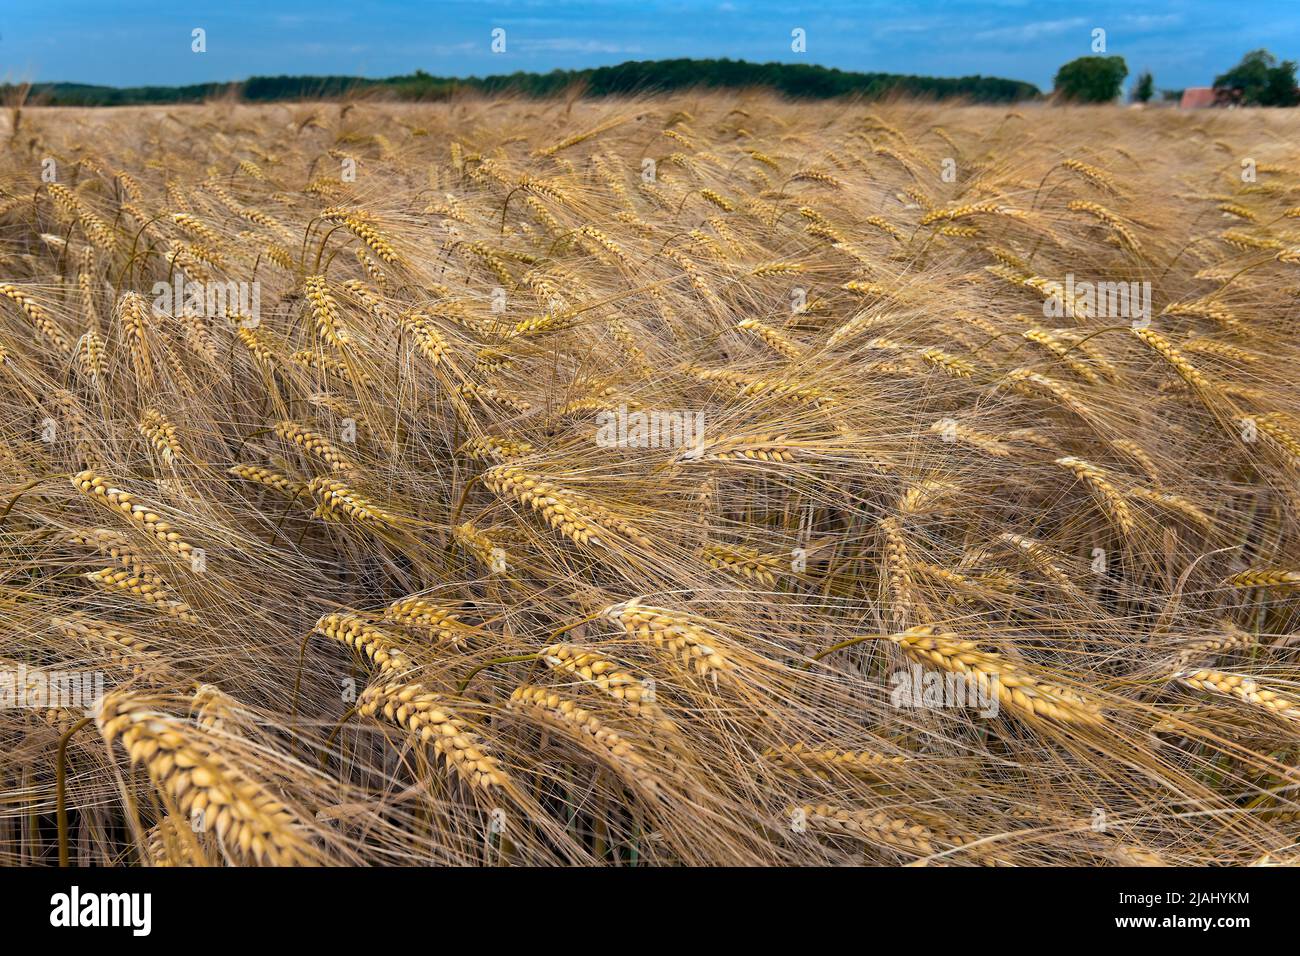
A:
791	79
1260	79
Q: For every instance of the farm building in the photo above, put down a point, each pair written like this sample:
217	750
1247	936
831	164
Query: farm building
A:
1197	97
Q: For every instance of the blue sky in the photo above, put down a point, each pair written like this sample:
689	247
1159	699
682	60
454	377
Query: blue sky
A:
127	42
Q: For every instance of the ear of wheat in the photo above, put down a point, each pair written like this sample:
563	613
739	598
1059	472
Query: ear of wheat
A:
432	721
184	765
1028	697
141	517
677	633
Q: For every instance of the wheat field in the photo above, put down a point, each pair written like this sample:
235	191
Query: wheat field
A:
667	481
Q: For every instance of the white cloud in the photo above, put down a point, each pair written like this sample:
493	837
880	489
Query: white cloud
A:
1028	32
573	45
1149	21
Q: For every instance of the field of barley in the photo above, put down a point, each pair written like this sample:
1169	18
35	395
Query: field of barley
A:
902	546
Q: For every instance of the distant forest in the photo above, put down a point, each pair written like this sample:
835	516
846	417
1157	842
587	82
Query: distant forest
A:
793	80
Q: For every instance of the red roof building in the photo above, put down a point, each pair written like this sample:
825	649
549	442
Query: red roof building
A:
1197	97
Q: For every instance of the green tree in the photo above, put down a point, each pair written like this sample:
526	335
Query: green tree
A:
1262	80
1144	88
1091	79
